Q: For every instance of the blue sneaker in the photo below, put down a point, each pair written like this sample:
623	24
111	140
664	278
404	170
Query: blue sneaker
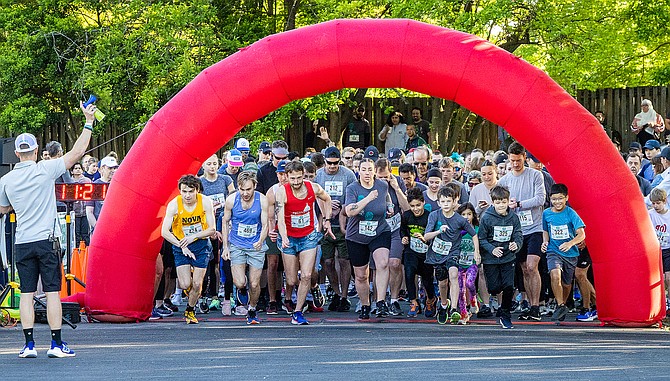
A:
298	319
28	351
587	315
155	315
59	351
252	318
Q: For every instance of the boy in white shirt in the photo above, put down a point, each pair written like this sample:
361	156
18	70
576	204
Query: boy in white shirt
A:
660	218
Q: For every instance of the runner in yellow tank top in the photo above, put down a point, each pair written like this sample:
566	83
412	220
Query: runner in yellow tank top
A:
189	220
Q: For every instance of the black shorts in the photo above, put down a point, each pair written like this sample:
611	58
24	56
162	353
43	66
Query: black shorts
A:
584	260
442	270
499	276
37	259
359	253
666	260
532	244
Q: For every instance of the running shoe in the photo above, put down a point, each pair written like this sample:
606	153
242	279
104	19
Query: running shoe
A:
344	306
164	311
317	295
242	297
288	306
442	314
455	317
493	302
465	317
414	310
168	303
395	309
402	296
190	318
311	307
241	310
594	314
59	351
28	351
334	303
506	322
252	318
214	305
587	315
534	313
365	313
298	319
431	307
262	304
176	299
523	315
559	313
484	312
352	292
203	307
272	308
226	309
382	309
474	306
359	305
155	315
524	306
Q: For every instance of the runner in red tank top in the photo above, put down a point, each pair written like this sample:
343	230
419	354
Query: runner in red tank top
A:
298	233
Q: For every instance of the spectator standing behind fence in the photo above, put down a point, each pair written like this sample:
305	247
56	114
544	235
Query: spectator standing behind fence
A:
358	132
647	124
394	132
29	189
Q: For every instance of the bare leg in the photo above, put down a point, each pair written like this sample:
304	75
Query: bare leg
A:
54	310
273	285
381	257
307	261
362	284
27	310
395	270
254	285
534	282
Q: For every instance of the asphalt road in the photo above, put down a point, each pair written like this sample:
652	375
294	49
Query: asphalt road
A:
337	347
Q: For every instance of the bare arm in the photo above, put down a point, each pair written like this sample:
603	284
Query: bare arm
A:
79	148
355	208
264	218
170	213
227	214
6	209
208	207
92	221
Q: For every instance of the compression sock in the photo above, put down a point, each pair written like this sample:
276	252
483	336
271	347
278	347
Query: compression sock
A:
55	336
28	333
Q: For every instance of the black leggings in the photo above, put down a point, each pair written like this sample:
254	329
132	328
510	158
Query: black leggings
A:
417	266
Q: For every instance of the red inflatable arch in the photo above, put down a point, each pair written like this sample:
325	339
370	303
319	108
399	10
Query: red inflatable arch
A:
325	57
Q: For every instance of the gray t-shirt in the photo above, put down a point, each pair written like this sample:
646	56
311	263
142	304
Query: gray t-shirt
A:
528	188
217	190
448	243
371	221
336	186
29	188
394	220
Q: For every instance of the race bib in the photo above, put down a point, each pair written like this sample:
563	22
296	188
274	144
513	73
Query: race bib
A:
394	222
418	245
662	237
354	138
334	188
502	233
189	230
219	197
299	221
466	258
441	247
247	231
368	228
560	232
525	217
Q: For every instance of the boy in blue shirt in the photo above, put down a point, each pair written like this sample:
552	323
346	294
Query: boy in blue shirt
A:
562	231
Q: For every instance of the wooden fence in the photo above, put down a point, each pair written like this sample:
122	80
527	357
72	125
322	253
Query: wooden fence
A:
621	105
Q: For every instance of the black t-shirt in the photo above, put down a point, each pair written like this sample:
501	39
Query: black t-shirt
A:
411	224
357	134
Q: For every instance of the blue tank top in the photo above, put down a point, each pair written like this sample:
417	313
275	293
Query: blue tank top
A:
245	223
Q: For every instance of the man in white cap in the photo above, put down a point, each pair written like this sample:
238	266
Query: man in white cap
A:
108	166
30	191
242	145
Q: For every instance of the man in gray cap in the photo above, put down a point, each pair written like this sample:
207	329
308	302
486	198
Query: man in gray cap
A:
30	191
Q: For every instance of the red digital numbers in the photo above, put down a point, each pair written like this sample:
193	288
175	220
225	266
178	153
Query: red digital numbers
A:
81	192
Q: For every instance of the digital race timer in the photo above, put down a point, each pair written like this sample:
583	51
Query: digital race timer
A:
81	192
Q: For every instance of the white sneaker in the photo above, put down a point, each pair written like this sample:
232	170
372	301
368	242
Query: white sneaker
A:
241	310
225	308
59	351
176	299
358	307
28	351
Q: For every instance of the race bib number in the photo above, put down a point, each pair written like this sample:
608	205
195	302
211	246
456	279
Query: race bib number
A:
334	188
525	217
189	230
368	228
560	232
299	221
441	247
502	233
466	258
418	245
219	197
394	222
247	231
354	138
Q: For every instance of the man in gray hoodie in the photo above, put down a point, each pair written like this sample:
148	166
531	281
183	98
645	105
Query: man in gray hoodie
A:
500	237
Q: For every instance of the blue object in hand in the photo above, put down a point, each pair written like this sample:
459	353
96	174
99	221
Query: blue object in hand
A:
91	99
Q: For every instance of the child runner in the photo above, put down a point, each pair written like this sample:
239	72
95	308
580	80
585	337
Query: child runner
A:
501	237
412	226
467	265
562	231
660	218
444	229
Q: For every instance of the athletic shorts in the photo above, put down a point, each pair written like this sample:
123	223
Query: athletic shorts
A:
360	253
35	259
202	249
532	244
442	269
298	245
499	276
396	245
666	260
584	260
251	257
272	247
566	264
328	245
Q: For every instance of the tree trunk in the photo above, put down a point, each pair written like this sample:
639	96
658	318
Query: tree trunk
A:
471	141
291	9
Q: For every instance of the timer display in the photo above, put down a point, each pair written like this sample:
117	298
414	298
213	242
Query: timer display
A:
81	192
